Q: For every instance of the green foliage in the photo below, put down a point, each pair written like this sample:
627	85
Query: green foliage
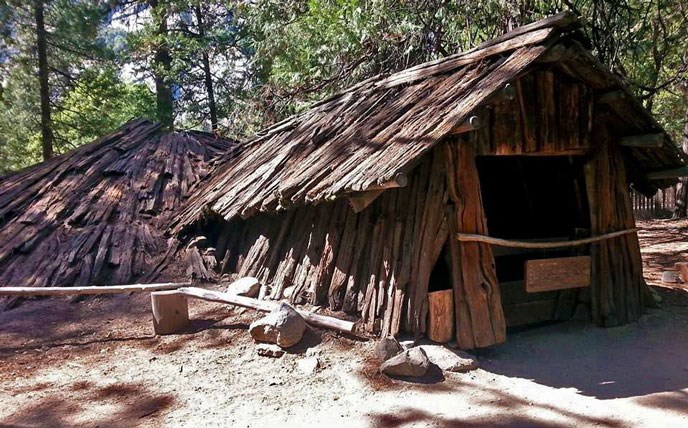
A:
263	60
19	128
307	50
98	103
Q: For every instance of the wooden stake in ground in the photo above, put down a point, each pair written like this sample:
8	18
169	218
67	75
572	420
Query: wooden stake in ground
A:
441	316
170	311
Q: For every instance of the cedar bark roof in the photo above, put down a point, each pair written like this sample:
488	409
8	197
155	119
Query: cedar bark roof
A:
369	133
92	216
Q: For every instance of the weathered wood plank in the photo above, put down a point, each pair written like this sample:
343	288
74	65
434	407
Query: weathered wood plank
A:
559	273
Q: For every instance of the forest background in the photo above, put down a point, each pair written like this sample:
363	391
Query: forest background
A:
73	70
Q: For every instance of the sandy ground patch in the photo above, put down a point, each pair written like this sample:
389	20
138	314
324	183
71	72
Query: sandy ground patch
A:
96	363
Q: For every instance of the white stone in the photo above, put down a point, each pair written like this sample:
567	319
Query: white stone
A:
410	363
247	286
308	366
283	326
450	360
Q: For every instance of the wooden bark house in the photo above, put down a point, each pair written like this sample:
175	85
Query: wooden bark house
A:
489	188
96	215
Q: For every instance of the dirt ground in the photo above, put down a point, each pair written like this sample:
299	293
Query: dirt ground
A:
96	363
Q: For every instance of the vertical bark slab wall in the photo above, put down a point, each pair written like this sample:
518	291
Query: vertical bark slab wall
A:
376	263
617	277
478	308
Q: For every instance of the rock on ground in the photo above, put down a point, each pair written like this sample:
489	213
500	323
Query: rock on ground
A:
386	348
269	350
410	363
283	326
450	360
247	286
308	365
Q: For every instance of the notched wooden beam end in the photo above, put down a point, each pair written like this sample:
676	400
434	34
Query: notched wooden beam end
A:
473	123
361	201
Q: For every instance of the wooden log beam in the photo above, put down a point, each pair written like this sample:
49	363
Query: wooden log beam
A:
467	237
400	179
668	173
643	140
92	289
266	306
470	124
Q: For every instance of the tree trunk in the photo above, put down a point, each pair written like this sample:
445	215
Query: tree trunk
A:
682	188
207	77
41	47
162	65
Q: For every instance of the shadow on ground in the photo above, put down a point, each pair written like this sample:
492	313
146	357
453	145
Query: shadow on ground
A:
639	359
115	405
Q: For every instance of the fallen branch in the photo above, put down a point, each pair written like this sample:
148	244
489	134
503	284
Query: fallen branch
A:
266	306
92	289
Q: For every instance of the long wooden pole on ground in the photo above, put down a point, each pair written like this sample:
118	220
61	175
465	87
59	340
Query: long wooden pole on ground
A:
93	289
266	306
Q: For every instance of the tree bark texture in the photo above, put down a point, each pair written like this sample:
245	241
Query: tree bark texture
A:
162	65
207	76
44	86
680	210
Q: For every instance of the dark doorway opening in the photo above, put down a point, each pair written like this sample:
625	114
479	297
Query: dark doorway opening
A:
440	277
533	198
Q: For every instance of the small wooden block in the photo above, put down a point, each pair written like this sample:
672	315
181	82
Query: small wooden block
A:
170	311
441	316
557	273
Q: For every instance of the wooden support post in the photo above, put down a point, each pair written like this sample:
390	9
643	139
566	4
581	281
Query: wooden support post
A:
441	316
617	279
170	311
643	140
478	307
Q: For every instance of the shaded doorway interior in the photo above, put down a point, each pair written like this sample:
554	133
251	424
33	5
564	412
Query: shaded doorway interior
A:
539	199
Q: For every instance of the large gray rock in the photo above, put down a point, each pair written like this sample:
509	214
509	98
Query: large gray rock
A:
450	360
410	363
386	348
247	286
283	326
